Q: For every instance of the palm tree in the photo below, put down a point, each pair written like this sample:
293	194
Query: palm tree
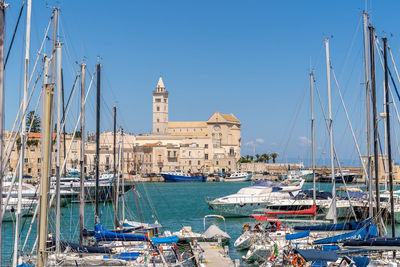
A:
274	156
257	157
266	157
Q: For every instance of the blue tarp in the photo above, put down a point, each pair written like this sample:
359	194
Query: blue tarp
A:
126	256
25	265
335	227
102	234
360	261
297	235
165	240
369	231
330	248
317	255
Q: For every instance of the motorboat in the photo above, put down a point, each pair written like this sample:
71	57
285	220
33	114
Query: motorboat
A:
256	196
180	176
302	173
339	177
238	176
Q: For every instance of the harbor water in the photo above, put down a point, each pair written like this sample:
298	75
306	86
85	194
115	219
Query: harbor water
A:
172	204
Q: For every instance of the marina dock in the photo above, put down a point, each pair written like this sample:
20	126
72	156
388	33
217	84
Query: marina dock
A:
210	254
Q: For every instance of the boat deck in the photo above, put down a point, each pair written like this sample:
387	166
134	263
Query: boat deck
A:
210	254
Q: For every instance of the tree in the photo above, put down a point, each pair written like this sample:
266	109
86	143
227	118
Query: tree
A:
266	157
274	156
36	122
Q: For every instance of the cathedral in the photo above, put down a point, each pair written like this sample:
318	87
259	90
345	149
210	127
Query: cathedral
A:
195	146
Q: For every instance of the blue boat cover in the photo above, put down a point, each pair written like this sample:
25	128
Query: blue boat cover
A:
25	265
317	255
366	232
73	247
102	234
335	227
297	235
330	248
126	256
376	242
165	240
360	261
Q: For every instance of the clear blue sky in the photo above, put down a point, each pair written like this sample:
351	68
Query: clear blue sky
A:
249	58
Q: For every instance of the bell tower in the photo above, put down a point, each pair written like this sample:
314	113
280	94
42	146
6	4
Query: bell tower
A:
160	109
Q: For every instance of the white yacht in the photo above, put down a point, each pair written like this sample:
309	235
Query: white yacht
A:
256	196
238	176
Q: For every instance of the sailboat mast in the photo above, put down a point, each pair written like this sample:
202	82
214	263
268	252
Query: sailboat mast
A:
389	146
58	145
82	161
375	116
328	78
43	222
368	111
98	66
23	130
2	26
115	178
121	164
313	135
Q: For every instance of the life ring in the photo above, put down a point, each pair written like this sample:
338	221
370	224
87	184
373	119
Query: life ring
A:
246	227
297	261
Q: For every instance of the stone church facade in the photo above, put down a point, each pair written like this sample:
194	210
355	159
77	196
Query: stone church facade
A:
196	146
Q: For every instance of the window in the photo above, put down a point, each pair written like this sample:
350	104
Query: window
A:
198	153
158	120
206	156
229	162
206	146
169	153
216	163
39	160
198	162
190	162
174	153
183	153
190	153
158	130
231	151
29	170
158	108
38	170
158	100
26	160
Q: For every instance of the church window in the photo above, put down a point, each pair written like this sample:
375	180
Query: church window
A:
165	100
158	108
158	100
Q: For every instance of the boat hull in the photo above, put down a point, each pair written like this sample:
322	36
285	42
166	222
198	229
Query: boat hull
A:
239	178
182	178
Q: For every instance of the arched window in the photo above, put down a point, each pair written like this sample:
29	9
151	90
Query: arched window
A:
158	108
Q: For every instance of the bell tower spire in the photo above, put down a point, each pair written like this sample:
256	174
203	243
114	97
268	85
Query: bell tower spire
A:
160	108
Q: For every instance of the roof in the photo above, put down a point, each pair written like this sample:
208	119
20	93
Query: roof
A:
230	117
186	124
152	144
160	83
39	135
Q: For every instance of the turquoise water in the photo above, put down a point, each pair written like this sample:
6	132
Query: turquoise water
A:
172	204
